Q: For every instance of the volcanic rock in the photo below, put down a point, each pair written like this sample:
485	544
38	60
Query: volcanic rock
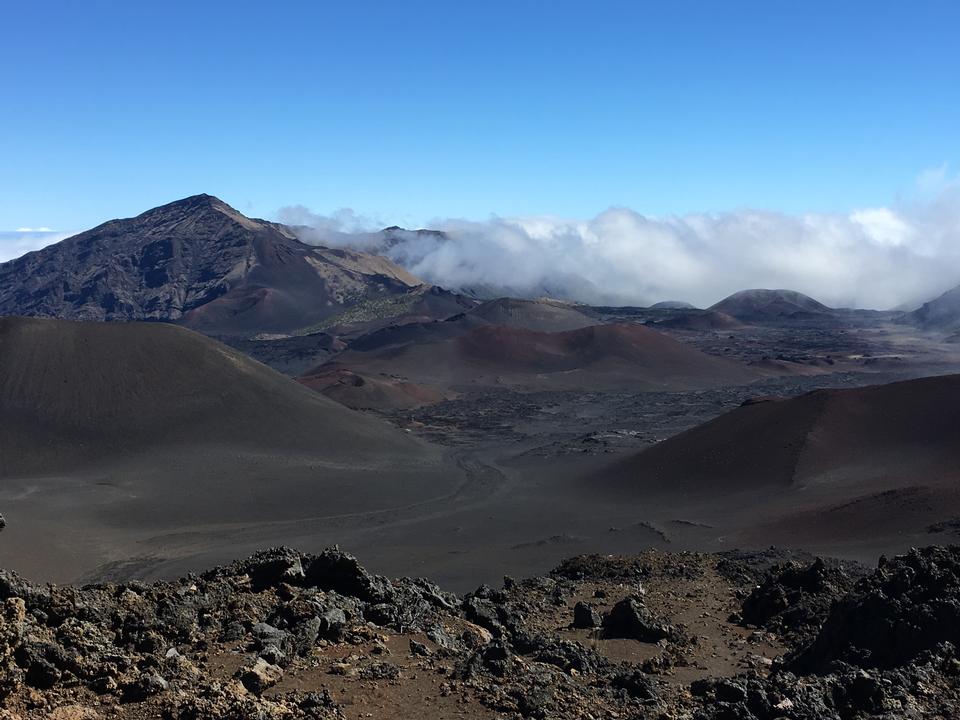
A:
630	618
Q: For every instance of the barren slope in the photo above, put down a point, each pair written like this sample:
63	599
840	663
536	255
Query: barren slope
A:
625	355
830	467
110	431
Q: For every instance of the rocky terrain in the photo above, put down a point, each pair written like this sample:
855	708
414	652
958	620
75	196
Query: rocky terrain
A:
742	636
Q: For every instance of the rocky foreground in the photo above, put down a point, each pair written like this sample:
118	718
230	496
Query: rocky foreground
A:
287	635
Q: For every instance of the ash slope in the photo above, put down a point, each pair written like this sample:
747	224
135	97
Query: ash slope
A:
461	353
116	430
830	468
199	262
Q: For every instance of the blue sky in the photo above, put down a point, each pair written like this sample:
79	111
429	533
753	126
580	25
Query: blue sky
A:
410	111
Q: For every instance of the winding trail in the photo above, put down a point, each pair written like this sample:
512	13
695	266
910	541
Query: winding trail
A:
163	554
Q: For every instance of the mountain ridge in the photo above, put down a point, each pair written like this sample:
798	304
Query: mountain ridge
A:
940	313
198	262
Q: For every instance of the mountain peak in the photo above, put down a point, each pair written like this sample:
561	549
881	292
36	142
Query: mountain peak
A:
192	201
199	262
199	204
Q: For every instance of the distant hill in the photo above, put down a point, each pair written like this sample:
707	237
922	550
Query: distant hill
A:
941	313
466	351
699	320
200	263
769	305
540	315
363	392
672	305
825	467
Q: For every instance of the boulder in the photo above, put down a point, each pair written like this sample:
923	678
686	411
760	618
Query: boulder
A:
630	618
585	616
260	676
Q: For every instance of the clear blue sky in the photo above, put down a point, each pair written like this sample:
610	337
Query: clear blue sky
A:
414	110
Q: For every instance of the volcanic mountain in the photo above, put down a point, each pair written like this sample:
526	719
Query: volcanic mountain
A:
941	313
198	262
109	430
825	467
770	305
463	351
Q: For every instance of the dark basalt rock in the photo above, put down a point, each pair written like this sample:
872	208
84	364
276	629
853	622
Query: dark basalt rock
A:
600	567
794	599
147	685
494	658
336	570
585	617
483	612
636	684
271	567
910	605
630	618
568	655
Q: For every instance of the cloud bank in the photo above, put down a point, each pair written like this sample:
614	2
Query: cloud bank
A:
881	257
14	243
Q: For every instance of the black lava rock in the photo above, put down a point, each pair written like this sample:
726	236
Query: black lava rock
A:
584	616
629	618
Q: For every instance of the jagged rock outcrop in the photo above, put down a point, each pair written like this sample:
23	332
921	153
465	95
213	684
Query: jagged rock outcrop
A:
908	607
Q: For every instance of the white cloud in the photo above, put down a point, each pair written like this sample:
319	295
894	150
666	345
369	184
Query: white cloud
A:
883	225
14	243
876	257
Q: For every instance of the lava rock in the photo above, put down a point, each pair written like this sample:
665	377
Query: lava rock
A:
910	605
260	676
636	684
585	616
629	618
271	567
795	599
147	685
418	648
568	655
336	570
483	612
